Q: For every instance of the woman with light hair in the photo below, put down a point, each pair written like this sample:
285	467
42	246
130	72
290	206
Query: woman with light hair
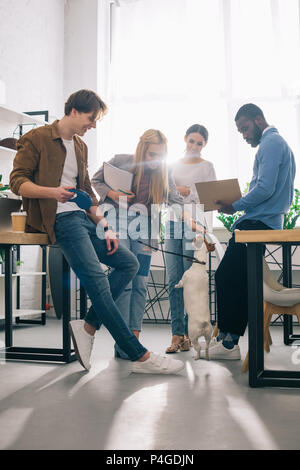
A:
152	185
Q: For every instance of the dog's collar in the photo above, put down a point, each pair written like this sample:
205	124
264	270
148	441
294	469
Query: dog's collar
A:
194	260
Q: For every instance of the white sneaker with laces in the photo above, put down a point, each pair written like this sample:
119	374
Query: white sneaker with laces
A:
218	352
83	342
157	364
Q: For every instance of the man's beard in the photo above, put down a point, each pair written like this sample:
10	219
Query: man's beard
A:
257	133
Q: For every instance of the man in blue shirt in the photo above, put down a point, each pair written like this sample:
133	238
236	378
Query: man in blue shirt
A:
269	198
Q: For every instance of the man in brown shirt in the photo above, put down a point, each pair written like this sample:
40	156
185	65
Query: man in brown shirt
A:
51	160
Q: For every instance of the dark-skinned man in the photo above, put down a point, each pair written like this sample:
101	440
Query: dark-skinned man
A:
269	198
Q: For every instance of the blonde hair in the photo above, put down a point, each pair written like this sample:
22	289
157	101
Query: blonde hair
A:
158	190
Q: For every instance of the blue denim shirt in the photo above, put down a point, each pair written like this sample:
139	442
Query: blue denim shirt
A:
272	186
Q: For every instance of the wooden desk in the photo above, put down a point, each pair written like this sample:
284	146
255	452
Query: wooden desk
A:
7	241
255	240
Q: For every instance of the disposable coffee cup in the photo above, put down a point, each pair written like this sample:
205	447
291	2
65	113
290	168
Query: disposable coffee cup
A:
18	220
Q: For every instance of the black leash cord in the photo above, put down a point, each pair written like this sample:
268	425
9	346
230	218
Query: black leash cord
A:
192	259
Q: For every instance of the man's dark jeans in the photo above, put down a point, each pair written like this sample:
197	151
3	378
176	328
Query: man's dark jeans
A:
231	283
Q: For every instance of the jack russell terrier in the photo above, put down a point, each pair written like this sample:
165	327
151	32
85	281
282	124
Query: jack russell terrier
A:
195	291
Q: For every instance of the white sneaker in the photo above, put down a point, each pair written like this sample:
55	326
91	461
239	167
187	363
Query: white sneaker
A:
157	364
219	352
83	342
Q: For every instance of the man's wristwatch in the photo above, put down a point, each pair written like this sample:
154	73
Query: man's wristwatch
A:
107	227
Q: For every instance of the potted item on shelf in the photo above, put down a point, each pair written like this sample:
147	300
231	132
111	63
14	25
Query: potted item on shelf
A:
3	187
19	266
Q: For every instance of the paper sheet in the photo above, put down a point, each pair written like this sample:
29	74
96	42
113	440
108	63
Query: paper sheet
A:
116	178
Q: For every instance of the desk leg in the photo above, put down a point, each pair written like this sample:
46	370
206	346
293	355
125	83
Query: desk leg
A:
18	279
66	316
287	282
8	296
255	313
83	302
44	284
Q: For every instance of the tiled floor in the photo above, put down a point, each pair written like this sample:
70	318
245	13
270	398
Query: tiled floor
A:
207	406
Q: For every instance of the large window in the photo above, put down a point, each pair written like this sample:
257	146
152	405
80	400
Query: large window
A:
179	62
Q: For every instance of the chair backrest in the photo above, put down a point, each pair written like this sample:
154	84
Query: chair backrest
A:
277	294
269	281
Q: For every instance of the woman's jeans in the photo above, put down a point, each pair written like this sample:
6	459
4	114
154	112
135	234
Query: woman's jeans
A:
84	250
131	302
176	266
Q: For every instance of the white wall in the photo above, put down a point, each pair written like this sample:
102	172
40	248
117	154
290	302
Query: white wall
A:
31	66
81	57
48	50
31	53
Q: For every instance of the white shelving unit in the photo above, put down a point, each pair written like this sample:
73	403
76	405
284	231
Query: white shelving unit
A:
26	274
10	119
10	116
19	313
6	153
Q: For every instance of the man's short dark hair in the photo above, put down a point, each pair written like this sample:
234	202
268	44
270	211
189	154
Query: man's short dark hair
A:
85	101
250	111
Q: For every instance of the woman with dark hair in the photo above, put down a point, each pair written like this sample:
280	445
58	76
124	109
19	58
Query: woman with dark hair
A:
191	169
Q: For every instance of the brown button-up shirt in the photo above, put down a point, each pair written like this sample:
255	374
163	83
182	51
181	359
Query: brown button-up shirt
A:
40	159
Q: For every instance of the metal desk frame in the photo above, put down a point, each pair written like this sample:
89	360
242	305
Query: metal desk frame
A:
66	354
258	376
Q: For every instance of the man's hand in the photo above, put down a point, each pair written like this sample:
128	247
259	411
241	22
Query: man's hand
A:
32	190
226	207
112	242
61	194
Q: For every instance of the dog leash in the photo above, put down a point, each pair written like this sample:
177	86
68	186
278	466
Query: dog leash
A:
190	258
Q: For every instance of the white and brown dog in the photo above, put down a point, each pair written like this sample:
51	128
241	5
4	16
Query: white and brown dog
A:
195	290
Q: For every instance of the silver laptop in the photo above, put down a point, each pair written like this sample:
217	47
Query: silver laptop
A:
7	206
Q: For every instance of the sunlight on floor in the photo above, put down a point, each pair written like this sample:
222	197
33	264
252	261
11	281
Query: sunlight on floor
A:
252	425
133	415
14	422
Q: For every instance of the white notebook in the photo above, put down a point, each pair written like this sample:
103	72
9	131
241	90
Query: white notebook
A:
116	178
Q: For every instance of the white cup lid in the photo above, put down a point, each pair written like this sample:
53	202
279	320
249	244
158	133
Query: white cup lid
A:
19	213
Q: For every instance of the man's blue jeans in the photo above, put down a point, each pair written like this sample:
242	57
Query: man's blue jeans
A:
84	250
132	300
